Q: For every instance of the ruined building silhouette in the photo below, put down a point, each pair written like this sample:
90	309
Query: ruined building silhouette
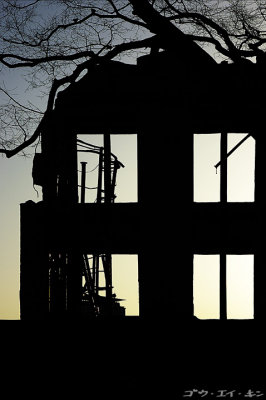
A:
165	99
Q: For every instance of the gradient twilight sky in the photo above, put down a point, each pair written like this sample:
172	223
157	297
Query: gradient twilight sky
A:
17	187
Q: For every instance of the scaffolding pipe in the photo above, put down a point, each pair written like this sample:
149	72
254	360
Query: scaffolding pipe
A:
83	181
116	167
100	171
232	151
223	182
107	265
107	169
223	297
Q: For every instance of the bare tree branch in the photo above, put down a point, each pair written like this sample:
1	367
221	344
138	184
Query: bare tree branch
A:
55	49
32	62
51	33
70	79
25	6
158	24
19	104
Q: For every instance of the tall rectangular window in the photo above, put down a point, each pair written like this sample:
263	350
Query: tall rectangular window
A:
239	286
241	169
125	281
206	180
206	286
125	148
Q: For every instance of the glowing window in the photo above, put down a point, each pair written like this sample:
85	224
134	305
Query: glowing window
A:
224	175
239	286
123	173
123	280
206	180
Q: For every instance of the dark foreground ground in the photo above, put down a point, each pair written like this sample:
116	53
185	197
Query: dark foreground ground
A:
134	359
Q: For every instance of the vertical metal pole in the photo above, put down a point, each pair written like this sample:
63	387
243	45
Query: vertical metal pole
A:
100	171
259	256
223	176
223	199
97	259
93	271
223	299
108	280
83	181
116	167
108	200
107	168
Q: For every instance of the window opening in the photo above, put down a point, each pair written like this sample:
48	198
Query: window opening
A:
206	180
223	286
110	285
241	169
240	286
125	281
232	178
107	168
206	286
